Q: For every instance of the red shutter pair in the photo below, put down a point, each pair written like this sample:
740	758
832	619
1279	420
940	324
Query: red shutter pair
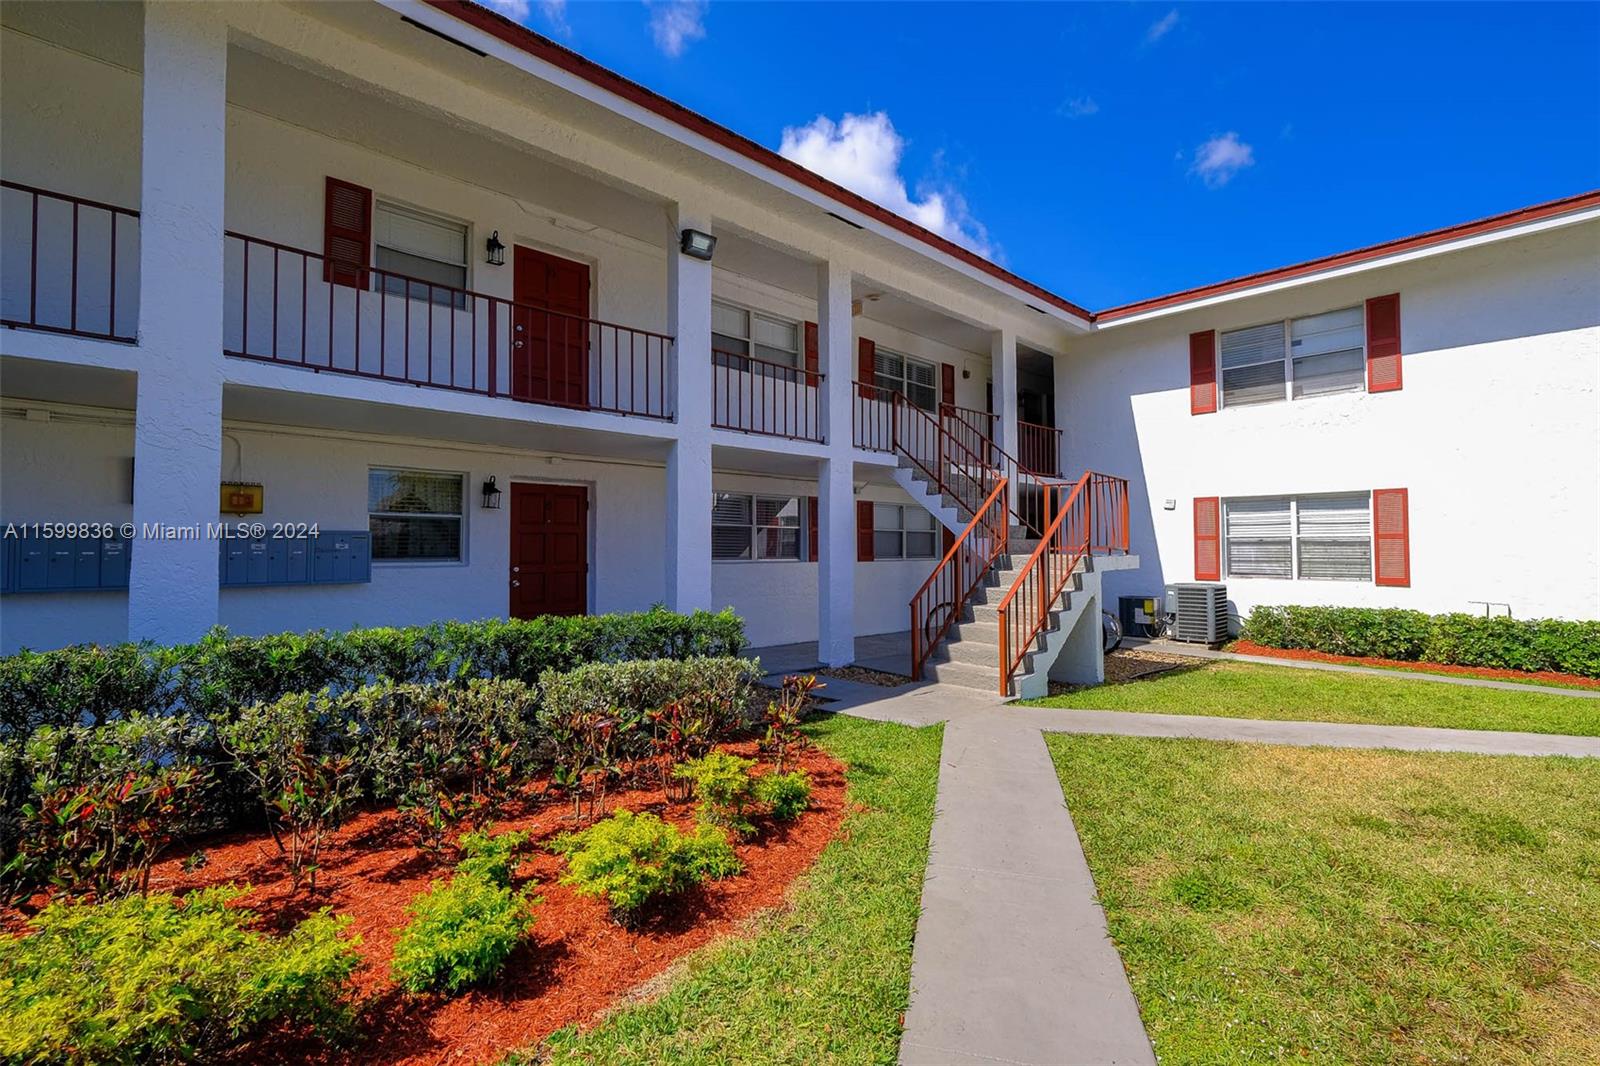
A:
346	233
1391	538
1383	355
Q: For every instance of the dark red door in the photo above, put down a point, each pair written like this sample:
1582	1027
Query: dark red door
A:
550	329
549	550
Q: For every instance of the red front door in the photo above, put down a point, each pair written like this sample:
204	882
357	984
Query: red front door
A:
549	550
550	329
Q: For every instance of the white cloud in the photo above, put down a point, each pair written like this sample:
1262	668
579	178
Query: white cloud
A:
555	14
516	10
1161	27
676	23
863	153
1078	107
1219	159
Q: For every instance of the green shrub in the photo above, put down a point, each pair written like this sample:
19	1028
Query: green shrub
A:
630	859
784	795
461	933
1539	644
725	787
491	856
92	684
145	979
637	688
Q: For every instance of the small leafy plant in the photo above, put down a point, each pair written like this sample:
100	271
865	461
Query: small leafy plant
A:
631	859
155	978
784	795
682	730
491	856
461	932
725	787
785	715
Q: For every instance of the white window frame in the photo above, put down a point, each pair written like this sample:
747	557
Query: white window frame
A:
1288	360
382	204
460	517
1294	539
902	385
903	532
742	363
802	546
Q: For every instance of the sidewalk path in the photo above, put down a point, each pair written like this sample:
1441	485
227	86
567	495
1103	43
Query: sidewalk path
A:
1012	962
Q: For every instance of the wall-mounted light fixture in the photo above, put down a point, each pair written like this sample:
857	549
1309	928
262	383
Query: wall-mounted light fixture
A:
495	251
697	245
491	495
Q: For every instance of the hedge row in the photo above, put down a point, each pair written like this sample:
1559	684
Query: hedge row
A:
402	744
94	684
1538	644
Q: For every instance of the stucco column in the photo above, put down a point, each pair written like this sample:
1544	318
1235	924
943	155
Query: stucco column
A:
1003	367
177	448
689	462
836	510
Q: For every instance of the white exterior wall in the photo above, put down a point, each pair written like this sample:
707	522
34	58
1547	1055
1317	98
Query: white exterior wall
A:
1496	432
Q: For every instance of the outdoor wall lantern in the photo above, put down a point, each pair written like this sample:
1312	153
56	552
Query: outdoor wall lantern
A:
491	495
698	245
497	251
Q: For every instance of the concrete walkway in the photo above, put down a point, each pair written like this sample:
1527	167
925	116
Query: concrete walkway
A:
1012	961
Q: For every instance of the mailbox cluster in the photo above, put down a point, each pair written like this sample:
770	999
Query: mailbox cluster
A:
77	564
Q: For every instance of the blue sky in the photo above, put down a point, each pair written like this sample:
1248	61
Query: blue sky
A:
1112	152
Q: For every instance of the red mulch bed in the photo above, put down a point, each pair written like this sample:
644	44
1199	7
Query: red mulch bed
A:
1246	647
578	961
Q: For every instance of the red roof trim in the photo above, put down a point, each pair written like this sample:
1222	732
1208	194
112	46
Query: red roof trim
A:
1359	255
520	37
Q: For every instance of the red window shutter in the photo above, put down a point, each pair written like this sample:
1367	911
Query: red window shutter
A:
1203	372
1391	537
811	348
1383	343
866	364
864	552
1207	538
346	234
947	384
811	531
949	539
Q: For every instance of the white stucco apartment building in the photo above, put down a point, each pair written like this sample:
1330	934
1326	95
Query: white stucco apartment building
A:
345	265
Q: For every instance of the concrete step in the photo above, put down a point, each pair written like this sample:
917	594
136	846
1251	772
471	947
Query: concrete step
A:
964	675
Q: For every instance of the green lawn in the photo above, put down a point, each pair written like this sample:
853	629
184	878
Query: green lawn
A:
1336	906
828	979
1245	690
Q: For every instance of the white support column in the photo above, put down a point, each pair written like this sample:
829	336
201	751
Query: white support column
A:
689	464
172	590
836	512
1003	368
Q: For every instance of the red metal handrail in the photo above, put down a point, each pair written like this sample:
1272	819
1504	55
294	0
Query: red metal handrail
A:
88	248
1039	448
281	306
1029	487
1092	518
943	596
759	396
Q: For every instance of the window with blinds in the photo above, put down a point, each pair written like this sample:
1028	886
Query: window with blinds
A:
747	526
1316	355
902	532
738	333
914	379
415	514
1314	538
422	247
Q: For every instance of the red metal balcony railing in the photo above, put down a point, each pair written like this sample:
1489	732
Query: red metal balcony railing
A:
71	265
1039	448
1091	516
280	307
757	396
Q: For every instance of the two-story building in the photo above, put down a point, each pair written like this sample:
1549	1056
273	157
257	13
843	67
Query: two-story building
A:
484	329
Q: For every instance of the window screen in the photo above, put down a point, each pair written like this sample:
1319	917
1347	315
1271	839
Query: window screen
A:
745	526
420	246
902	532
1334	536
1329	352
414	514
1252	365
914	379
1258	538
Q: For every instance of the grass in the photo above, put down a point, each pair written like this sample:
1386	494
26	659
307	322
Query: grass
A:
1424	668
1283	693
827	979
1336	906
